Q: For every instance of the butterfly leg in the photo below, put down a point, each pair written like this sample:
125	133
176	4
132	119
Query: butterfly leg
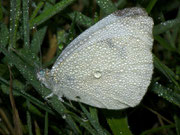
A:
60	99
49	96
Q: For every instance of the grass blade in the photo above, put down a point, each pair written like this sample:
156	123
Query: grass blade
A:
107	6
121	3
164	26
155	130
81	19
94	115
1	12
26	22
118	124
165	70
28	97
37	128
14	19
85	123
37	39
16	119
177	123
164	43
176	30
93	119
166	93
29	75
35	12
6	120
28	115
151	5
48	13
4	35
46	124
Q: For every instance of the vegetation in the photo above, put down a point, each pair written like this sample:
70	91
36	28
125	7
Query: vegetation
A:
35	32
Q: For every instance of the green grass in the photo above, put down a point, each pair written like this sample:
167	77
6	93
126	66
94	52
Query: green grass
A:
29	30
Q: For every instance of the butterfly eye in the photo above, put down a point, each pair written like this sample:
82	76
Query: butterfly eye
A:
41	74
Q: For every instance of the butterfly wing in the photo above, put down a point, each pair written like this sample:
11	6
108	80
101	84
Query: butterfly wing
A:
110	64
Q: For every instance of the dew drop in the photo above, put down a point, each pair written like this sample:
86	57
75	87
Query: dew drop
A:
84	119
64	116
97	74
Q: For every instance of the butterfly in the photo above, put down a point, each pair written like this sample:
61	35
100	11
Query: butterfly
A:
109	65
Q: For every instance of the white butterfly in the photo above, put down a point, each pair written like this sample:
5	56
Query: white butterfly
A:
107	66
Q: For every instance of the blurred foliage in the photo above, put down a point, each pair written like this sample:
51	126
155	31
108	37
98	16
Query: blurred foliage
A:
35	32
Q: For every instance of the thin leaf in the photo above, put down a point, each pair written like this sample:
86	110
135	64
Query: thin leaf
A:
48	13
155	130
37	128
93	120
118	123
165	70
46	124
177	123
107	6
5	119
164	43
26	22
166	93
151	5
164	26
16	84
39	35
4	35
121	3
14	21
85	123
81	19
94	115
29	97
33	109
37	39
1	12
176	30
28	115
29	75
168	33
36	11
30	58
16	119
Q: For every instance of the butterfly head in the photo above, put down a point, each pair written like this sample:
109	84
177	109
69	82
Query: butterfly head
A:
43	75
